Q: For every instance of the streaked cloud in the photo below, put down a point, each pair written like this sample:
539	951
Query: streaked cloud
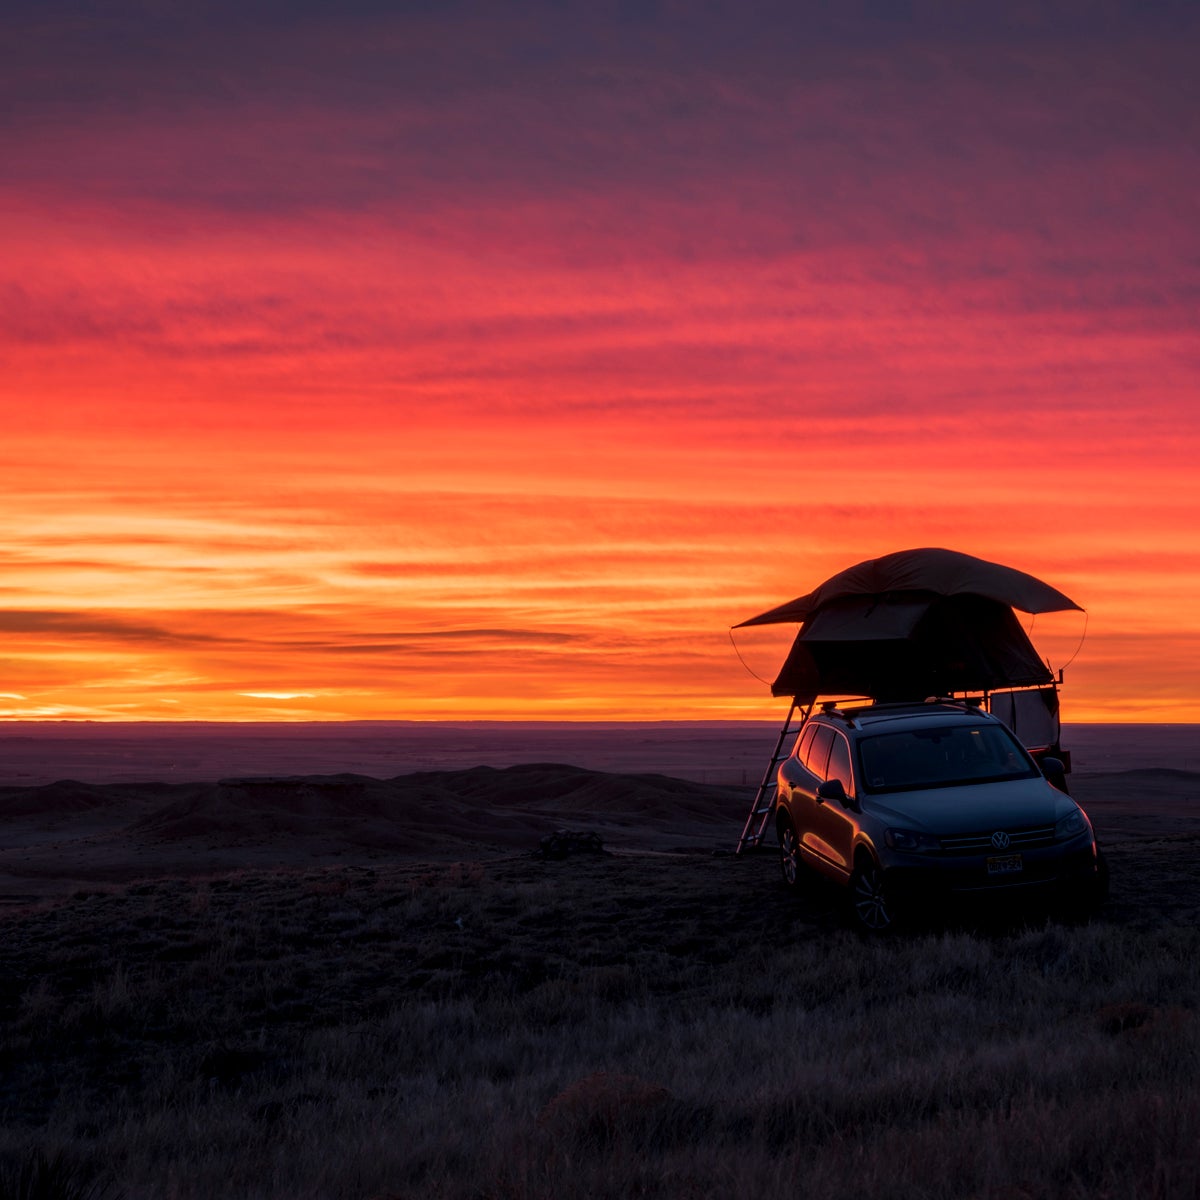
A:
389	357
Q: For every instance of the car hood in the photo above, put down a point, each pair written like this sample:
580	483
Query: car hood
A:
973	808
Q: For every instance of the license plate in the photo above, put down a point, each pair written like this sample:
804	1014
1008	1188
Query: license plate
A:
1005	864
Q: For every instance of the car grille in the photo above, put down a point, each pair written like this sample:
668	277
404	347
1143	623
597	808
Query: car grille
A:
981	843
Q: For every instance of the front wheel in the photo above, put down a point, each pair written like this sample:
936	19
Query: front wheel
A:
871	899
1088	897
1100	886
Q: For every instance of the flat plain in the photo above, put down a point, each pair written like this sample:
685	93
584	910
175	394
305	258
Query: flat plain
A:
367	985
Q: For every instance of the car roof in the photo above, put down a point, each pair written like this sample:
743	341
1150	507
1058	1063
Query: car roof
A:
878	717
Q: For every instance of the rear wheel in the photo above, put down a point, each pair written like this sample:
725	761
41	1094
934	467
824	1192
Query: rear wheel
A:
871	900
789	854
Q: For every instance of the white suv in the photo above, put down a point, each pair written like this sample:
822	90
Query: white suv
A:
901	802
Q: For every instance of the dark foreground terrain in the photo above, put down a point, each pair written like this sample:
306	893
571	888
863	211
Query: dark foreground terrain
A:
633	1024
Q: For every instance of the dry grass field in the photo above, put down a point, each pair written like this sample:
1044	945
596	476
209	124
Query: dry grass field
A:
620	1025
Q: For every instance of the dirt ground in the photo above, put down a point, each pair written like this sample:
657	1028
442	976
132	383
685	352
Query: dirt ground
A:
67	835
344	986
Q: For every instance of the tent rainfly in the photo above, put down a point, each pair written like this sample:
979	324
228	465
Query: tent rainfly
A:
913	624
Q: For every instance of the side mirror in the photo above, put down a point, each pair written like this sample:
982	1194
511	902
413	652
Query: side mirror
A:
832	789
1055	771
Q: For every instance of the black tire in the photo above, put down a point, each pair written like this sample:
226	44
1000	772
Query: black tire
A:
789	855
1086	899
1100	887
872	905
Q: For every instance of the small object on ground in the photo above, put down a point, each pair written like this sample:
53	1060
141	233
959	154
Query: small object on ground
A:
565	842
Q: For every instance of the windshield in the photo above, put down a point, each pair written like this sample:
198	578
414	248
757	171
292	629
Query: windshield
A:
942	757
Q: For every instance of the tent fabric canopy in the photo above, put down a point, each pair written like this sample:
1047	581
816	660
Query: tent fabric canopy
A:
943	572
922	646
914	624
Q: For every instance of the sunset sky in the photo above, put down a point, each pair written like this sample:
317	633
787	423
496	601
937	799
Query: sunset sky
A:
385	360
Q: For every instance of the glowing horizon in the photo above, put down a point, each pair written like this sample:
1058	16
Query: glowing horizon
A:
397	366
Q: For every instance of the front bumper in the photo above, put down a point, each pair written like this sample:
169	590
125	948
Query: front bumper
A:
1065	867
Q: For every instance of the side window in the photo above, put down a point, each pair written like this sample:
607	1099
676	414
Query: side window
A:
818	751
839	764
805	741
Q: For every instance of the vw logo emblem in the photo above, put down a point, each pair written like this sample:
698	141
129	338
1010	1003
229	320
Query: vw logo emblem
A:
1000	839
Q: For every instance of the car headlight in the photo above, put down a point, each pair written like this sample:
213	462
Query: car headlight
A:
910	840
1069	826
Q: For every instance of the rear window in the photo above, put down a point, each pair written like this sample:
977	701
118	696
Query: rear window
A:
818	751
944	756
805	741
839	764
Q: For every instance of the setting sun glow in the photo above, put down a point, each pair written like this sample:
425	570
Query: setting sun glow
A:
435	368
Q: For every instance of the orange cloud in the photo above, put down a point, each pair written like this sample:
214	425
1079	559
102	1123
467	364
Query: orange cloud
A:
410	392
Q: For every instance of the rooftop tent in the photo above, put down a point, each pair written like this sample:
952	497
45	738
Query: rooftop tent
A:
913	624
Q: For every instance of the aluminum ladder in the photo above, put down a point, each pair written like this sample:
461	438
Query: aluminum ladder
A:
764	799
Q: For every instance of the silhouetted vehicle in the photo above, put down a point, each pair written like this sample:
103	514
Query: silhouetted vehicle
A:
945	774
901	803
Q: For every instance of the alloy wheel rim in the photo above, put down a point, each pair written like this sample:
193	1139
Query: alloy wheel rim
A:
788	846
870	903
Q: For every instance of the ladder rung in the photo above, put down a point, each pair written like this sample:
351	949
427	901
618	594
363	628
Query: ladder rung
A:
764	800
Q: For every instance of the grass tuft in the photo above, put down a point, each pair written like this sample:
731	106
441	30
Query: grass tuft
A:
40	1177
596	1027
